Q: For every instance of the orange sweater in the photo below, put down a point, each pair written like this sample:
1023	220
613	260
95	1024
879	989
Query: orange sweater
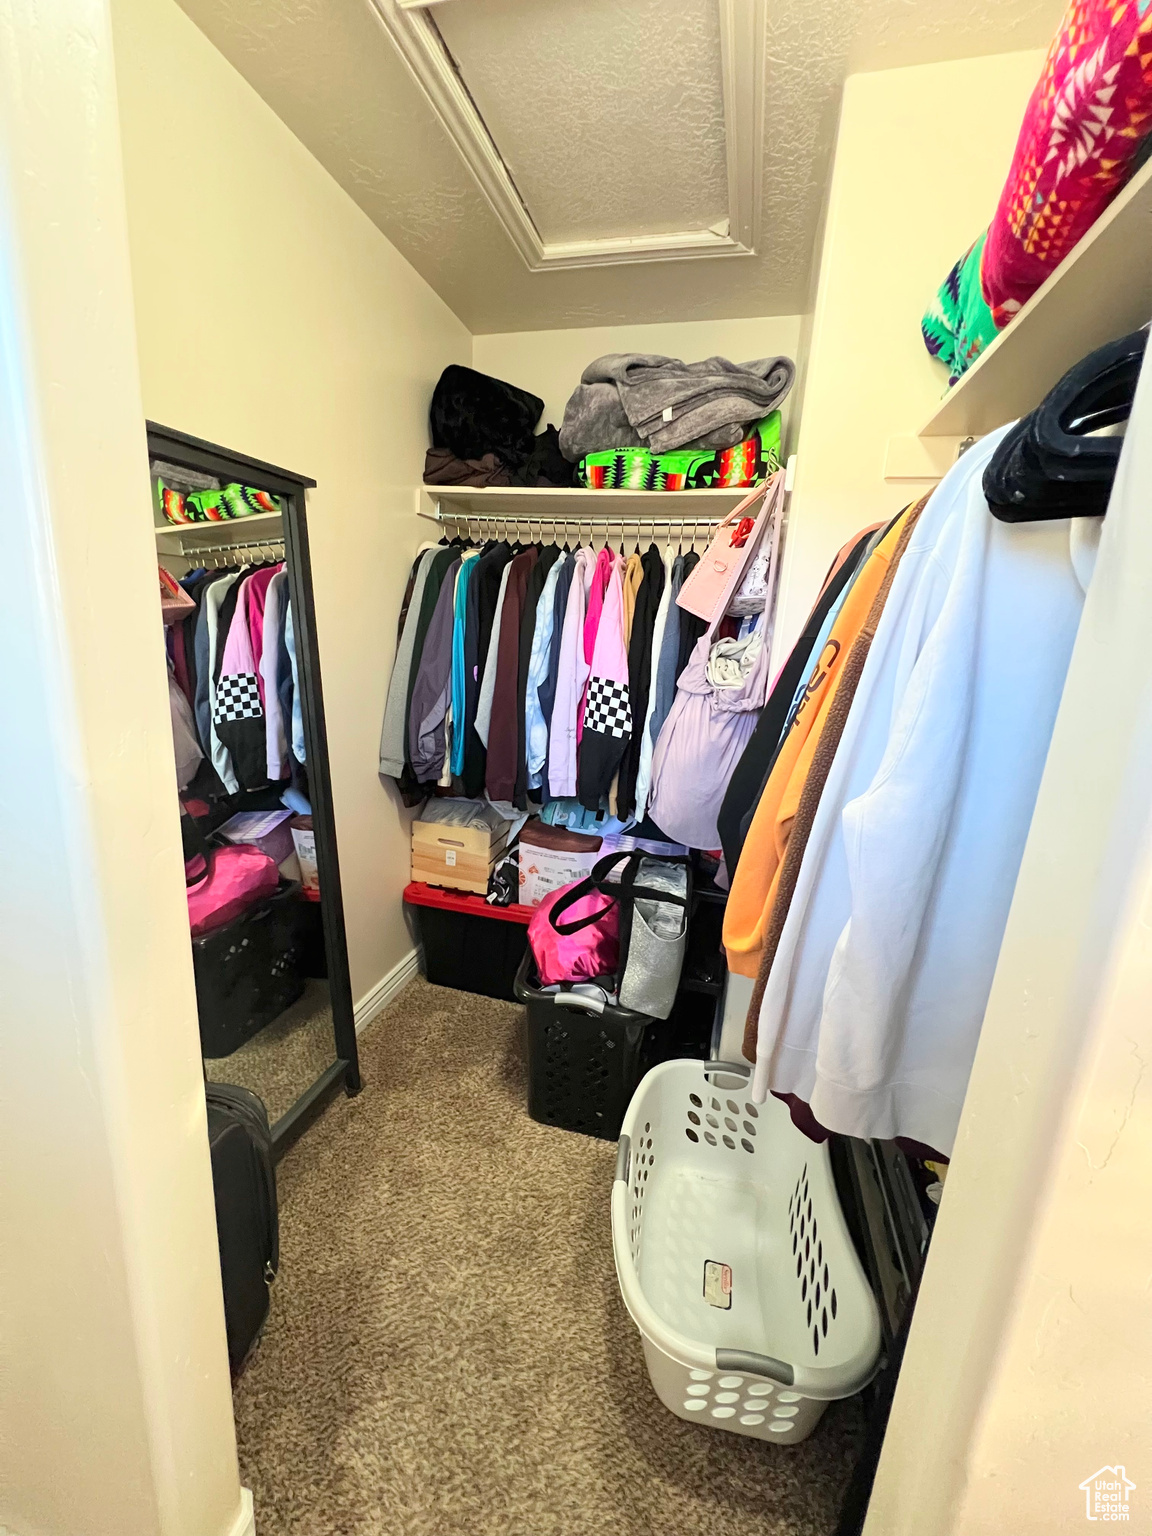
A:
758	872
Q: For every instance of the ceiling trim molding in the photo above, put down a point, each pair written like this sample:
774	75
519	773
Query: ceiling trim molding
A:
742	42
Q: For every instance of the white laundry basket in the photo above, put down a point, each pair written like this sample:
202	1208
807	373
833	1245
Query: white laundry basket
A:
733	1257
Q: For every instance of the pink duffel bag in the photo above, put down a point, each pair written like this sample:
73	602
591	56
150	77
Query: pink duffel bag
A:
574	936
233	880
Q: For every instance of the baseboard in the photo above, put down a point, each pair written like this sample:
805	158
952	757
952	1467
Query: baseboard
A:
245	1522
387	988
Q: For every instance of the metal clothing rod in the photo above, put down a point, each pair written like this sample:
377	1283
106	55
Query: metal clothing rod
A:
227	549
577	518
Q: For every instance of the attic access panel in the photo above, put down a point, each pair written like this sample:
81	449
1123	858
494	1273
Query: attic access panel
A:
604	132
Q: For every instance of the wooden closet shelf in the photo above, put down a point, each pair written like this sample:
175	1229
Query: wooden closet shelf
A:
1101	291
556	501
232	530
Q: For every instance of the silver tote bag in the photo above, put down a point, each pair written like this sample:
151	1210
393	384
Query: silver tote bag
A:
656	896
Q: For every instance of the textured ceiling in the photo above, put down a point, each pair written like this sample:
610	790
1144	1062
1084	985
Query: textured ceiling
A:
643	81
328	69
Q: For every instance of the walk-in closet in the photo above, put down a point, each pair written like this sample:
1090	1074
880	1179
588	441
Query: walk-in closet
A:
576	784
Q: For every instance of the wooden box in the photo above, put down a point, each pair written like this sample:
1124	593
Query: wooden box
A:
460	858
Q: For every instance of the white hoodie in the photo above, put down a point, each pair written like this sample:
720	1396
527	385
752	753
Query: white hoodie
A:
875	1000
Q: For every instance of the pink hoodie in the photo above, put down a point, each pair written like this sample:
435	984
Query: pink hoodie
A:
571	679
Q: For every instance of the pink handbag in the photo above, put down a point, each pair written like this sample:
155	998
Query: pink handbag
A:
708	726
704	587
234	879
582	941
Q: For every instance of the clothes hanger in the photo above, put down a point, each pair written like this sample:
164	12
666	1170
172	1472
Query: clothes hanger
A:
1051	464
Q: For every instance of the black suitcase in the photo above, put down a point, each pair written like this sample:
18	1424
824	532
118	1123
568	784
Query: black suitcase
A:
247	1219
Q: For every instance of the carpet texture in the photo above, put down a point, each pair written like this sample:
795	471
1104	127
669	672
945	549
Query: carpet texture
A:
448	1354
287	1056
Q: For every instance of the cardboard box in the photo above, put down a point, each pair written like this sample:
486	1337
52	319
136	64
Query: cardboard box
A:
460	858
551	857
304	839
270	831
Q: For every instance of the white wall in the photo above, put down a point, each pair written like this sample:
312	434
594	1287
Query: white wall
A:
115	1408
921	155
549	363
274	318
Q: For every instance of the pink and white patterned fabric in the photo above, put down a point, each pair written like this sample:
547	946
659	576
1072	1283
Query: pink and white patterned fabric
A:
1086	119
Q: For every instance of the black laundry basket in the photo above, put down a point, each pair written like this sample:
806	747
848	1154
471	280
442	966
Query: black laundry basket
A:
250	970
583	1066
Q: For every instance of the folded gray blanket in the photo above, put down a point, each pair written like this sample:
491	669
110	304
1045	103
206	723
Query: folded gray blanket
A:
637	400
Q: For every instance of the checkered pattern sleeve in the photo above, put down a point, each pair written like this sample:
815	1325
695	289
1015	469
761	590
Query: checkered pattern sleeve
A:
607	726
238	715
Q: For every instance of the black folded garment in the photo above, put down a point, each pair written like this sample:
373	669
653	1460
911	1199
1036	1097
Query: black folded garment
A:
1050	465
472	414
545	465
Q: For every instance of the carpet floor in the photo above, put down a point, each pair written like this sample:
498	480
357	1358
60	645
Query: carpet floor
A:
448	1354
287	1056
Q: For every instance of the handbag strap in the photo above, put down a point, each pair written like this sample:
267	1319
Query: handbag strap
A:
592	884
195	847
750	500
772	490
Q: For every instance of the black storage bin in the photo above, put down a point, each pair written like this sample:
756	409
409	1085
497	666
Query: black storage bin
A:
313	953
583	1068
467	944
249	971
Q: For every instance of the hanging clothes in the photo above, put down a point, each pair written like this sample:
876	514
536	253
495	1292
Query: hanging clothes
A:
188	752
546	561
712	718
571	679
275	736
691	625
298	748
607	713
222	655
872	1007
535	718
504	736
432	683
501	653
751	773
459	634
647	739
258	585
393	733
649	597
669	652
633	576
483	591
488	681
546	693
238	712
753	886
828	735
215	601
